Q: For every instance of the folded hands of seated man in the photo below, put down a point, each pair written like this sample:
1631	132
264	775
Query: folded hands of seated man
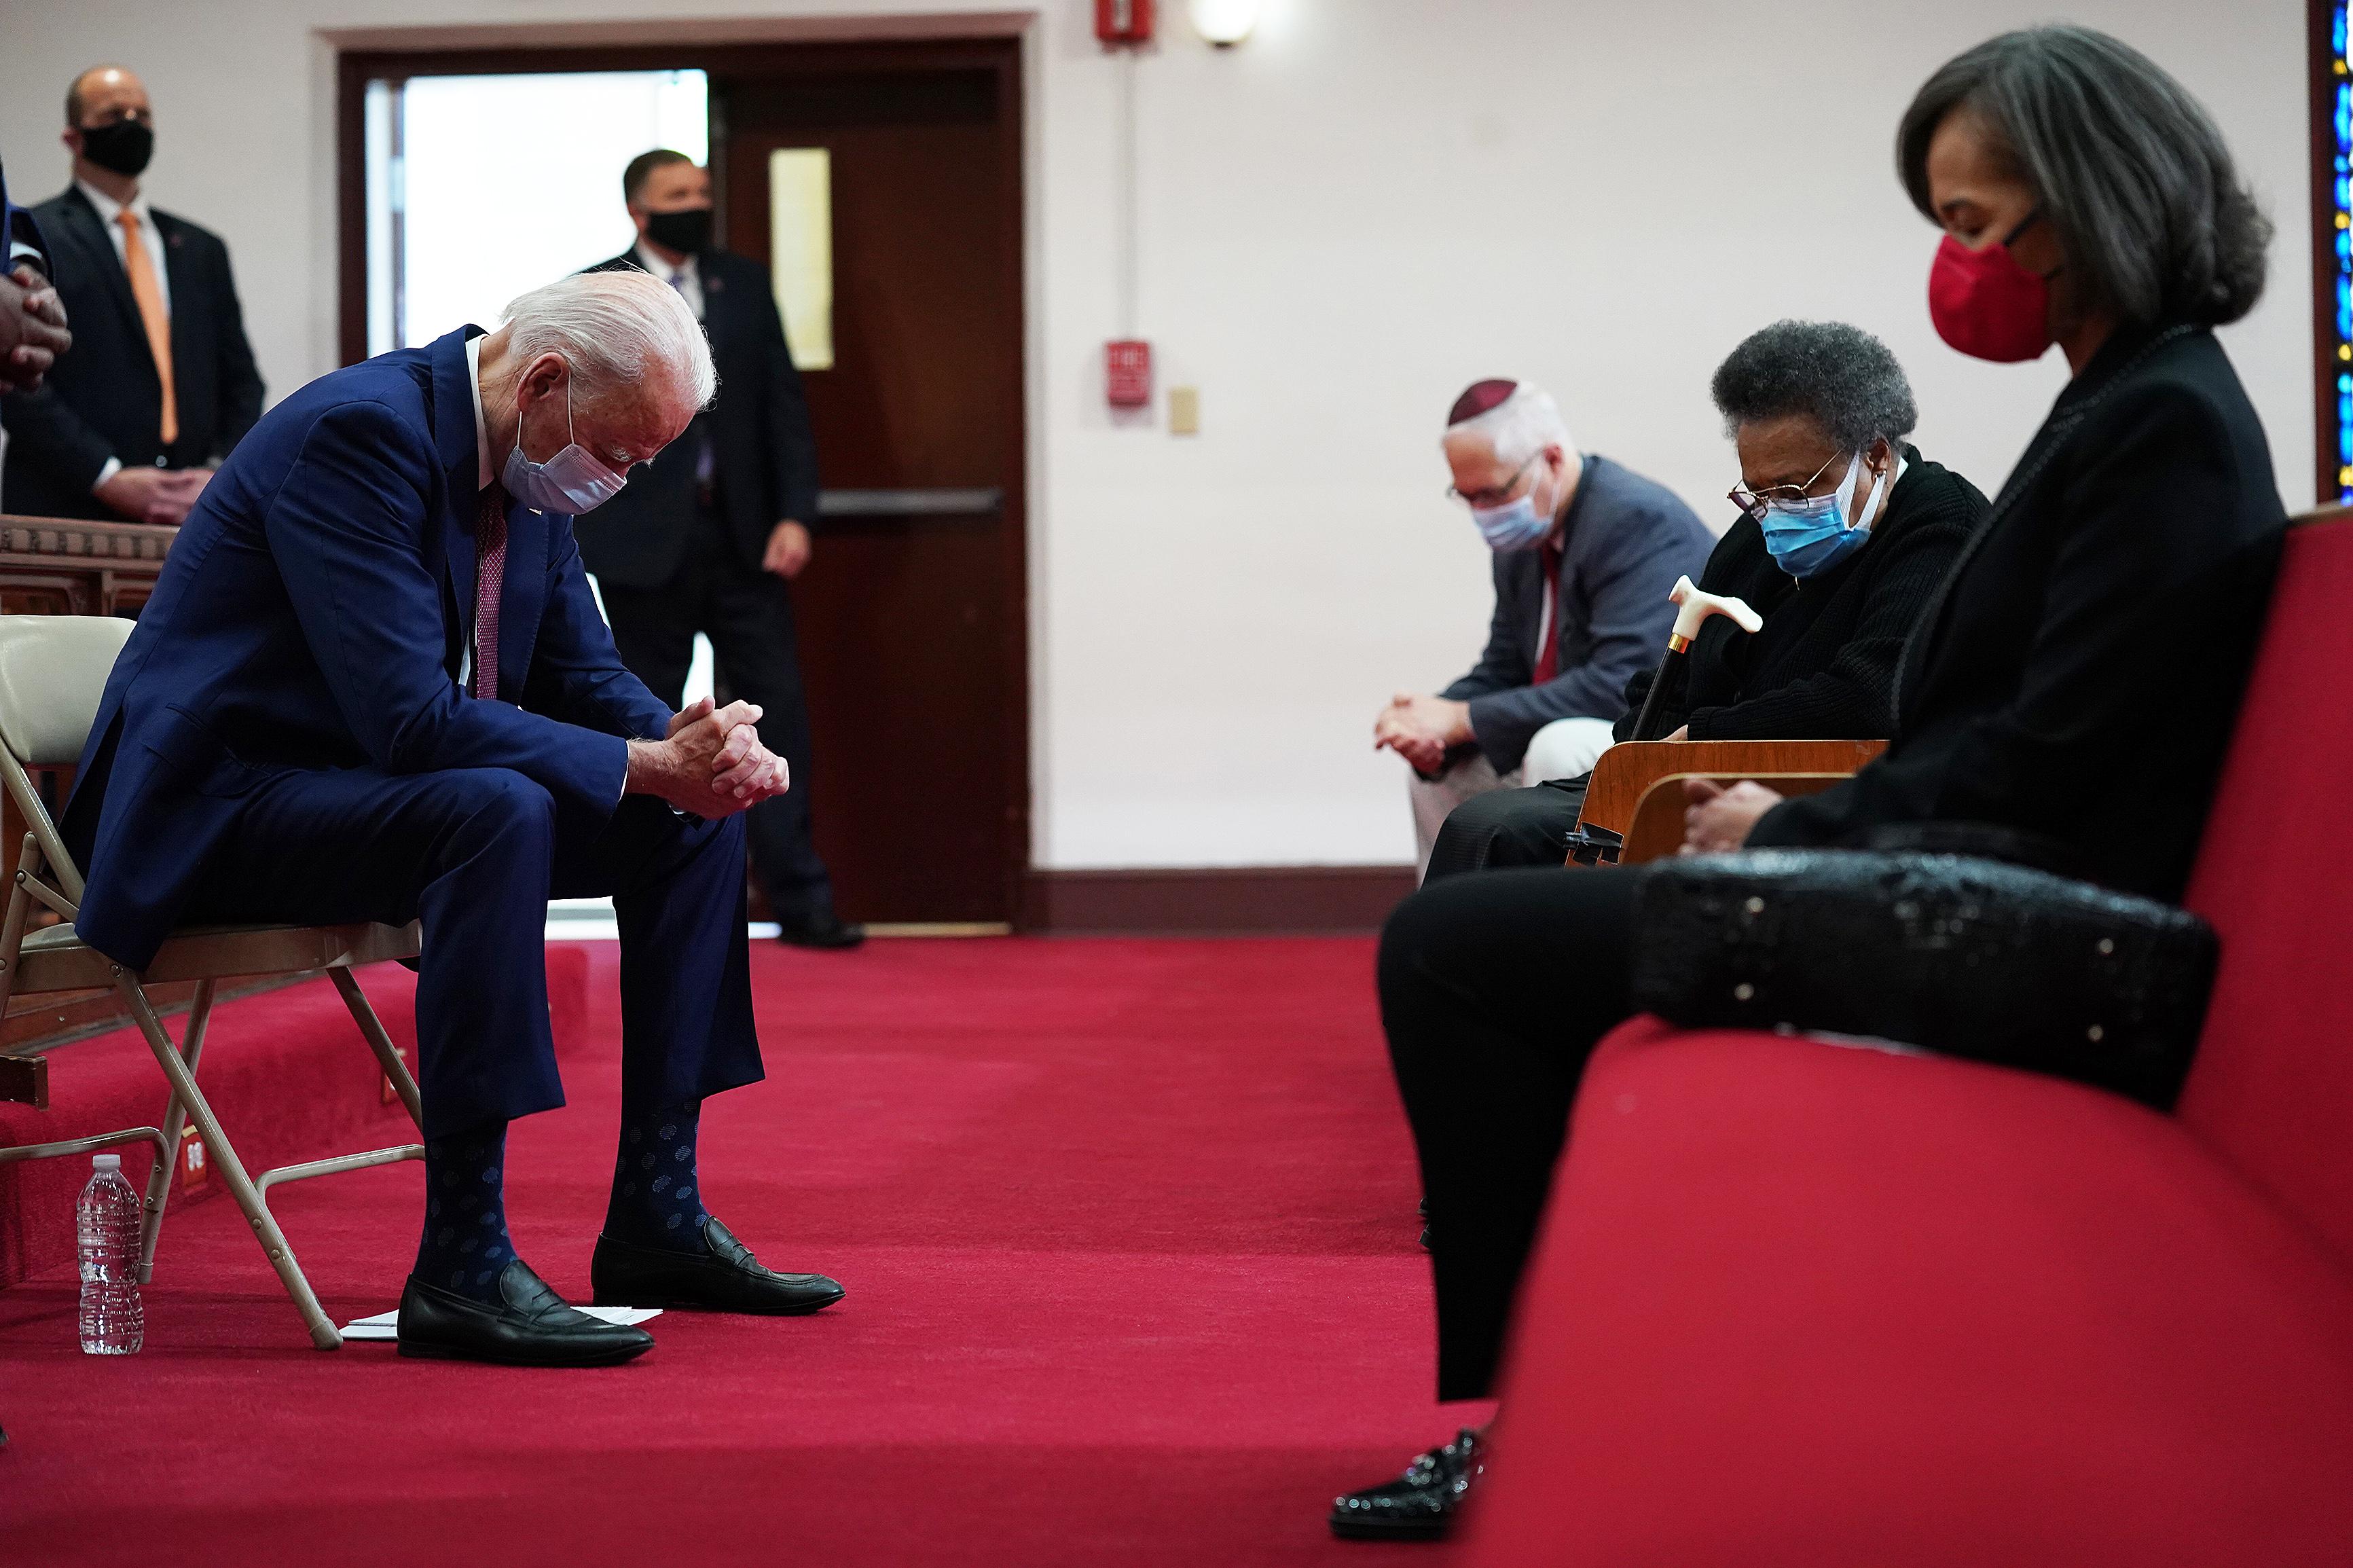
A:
712	763
1718	819
1422	729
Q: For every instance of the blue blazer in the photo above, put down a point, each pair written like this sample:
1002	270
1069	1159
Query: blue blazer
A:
313	615
1628	539
17	227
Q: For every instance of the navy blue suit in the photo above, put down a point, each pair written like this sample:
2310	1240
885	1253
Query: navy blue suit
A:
17	227
284	738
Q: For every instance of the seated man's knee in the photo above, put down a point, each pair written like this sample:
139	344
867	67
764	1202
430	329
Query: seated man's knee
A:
1565	748
502	799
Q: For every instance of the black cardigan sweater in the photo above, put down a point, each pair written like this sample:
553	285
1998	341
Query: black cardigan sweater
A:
2079	675
1824	666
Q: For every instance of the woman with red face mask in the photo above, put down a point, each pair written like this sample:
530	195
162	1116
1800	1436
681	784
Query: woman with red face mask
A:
2072	685
2078	679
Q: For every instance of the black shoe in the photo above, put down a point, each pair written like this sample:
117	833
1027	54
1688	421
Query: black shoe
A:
1419	1505
721	1276
825	931
529	1325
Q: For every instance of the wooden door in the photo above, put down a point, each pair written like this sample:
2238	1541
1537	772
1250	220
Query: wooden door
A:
912	615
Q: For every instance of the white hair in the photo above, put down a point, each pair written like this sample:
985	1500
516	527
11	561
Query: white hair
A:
1521	426
613	329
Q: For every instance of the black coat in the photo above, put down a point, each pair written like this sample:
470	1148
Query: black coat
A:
2079	676
758	427
104	399
1824	665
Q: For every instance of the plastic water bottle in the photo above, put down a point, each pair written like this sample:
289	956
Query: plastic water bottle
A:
113	1321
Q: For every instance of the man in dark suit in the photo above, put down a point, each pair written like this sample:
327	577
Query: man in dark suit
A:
162	383
708	537
372	685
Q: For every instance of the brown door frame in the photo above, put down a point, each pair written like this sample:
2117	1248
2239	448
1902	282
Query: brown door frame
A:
999	54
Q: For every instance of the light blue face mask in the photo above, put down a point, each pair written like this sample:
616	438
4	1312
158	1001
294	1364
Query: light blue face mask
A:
1514	525
1808	537
571	481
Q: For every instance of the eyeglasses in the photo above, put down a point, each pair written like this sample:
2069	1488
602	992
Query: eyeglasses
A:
1754	502
1496	495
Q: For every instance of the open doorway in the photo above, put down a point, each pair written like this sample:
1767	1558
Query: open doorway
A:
881	183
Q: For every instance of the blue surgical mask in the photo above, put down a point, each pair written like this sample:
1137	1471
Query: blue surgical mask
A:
571	481
1808	537
1514	525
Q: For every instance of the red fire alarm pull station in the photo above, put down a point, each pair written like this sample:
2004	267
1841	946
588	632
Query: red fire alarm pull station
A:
192	1169
1124	21
1128	373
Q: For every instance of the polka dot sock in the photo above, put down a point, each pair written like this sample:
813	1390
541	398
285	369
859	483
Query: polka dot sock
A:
466	1245
657	1195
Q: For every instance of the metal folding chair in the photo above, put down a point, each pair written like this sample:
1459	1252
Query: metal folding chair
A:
53	671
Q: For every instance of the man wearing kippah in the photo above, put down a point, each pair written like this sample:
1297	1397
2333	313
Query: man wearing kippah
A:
1585	554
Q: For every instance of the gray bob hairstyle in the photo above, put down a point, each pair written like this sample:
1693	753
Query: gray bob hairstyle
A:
1841	377
2133	176
613	329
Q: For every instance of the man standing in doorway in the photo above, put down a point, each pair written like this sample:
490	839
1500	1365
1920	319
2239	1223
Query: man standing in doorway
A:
709	537
162	381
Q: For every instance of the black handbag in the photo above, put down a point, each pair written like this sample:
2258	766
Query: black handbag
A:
1955	953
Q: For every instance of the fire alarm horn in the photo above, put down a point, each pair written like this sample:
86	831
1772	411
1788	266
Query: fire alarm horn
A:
1124	21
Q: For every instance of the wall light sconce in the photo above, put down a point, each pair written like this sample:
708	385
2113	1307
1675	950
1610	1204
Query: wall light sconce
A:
1224	23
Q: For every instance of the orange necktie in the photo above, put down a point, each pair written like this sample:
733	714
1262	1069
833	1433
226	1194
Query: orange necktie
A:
158	320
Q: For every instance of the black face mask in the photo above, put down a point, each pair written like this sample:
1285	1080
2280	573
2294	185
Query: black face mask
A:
688	230
121	148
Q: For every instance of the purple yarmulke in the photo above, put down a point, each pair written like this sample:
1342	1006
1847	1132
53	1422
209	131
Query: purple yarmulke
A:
1479	398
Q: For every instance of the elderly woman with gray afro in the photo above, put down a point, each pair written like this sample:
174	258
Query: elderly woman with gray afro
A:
1844	531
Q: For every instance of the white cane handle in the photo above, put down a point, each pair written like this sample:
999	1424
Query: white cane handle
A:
1697	607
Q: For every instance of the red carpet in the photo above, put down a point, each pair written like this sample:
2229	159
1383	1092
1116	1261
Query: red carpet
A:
1128	1232
286	1071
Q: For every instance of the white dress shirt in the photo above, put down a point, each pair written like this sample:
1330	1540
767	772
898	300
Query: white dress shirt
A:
109	211
688	275
481	429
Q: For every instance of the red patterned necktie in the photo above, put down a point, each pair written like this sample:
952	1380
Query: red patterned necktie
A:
489	576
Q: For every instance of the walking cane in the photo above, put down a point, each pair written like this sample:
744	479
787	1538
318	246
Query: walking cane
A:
1592	845
1696	608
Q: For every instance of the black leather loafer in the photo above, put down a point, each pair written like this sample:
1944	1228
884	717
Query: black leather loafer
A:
723	1277
529	1325
828	933
1420	1505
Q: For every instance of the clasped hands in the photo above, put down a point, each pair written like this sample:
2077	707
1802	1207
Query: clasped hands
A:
33	330
1422	730
1717	819
712	763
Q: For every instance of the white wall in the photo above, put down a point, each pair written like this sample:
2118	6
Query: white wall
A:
1369	203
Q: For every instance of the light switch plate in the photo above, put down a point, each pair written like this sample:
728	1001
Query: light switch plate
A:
1184	411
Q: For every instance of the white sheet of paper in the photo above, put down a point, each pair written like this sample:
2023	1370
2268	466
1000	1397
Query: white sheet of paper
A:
386	1325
